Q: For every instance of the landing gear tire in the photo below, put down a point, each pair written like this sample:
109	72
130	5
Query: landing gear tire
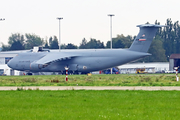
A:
29	74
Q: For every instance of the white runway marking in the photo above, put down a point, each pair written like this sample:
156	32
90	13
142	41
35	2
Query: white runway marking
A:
149	88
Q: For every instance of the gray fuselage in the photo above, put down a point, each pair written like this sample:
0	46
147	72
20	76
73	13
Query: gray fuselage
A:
82	60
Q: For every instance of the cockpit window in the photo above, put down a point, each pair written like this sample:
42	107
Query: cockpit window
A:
7	59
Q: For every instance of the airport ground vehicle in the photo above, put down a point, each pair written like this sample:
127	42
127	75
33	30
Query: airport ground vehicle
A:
140	71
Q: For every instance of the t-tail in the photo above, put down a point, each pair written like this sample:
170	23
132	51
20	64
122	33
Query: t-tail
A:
144	39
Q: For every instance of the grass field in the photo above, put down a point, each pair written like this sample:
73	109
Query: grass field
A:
89	105
94	80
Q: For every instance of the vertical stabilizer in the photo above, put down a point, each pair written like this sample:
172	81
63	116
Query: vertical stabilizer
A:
143	40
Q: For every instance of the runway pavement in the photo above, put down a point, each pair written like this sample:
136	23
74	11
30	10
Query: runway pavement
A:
91	88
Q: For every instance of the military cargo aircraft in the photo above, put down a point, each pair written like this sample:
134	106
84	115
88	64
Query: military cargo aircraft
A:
85	60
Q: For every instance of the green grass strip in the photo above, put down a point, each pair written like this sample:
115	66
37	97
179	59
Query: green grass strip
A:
89	105
94	80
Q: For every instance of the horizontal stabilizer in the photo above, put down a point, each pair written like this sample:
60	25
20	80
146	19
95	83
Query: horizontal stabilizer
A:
151	25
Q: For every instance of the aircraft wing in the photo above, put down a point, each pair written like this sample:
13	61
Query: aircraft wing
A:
14	52
54	57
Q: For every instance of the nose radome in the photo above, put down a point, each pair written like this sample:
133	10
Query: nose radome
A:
10	63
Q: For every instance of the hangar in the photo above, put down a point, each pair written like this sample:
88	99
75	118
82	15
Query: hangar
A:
4	69
174	61
155	67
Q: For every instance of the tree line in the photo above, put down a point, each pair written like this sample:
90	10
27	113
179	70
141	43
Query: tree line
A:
165	43
28	41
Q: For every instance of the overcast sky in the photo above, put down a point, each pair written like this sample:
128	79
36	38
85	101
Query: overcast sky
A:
82	18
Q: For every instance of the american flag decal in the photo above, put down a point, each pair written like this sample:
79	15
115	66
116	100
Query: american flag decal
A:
142	39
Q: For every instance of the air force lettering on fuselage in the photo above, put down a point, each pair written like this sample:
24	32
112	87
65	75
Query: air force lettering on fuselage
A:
85	60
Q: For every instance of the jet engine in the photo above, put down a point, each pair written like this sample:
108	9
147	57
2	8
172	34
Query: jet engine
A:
34	66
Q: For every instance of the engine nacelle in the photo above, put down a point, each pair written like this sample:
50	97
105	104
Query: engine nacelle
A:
36	67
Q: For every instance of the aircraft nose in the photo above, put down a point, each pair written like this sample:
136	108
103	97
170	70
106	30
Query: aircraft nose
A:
10	63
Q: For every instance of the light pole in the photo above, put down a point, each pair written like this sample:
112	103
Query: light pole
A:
2	19
59	34
111	31
111	27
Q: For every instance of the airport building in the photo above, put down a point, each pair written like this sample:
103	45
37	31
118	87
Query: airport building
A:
4	69
155	67
174	61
